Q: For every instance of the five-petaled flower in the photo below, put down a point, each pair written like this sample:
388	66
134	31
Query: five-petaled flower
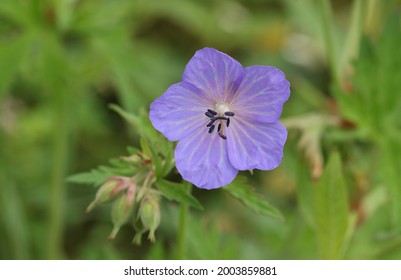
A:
225	118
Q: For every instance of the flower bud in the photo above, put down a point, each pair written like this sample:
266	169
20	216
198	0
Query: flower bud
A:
122	209
150	214
109	189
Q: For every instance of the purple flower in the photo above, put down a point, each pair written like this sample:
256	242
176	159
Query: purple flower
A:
225	118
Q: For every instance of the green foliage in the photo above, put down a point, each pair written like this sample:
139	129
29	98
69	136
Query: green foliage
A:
390	170
227	246
177	192
62	62
154	161
95	176
152	142
241	190
374	101
123	166
331	211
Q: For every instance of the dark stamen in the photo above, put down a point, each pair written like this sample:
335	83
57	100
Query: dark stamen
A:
223	136
210	115
212	112
210	123
230	114
214	117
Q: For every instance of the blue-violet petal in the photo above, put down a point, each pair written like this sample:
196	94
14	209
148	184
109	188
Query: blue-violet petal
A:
179	111
215	73
261	94
255	145
201	158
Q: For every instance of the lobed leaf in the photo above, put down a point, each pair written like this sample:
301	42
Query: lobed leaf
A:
242	191
177	192
95	177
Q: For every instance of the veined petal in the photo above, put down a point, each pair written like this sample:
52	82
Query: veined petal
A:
214	72
179	111
201	158
255	145
261	94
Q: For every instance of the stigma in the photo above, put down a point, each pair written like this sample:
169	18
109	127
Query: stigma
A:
218	118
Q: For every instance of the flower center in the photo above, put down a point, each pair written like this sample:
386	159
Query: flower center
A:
218	118
221	108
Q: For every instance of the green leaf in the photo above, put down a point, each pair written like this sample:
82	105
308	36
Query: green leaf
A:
242	191
305	192
95	177
121	166
390	169
331	211
177	192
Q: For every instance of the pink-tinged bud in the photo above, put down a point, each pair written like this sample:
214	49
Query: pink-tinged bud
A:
150	214
111	187
130	196
122	210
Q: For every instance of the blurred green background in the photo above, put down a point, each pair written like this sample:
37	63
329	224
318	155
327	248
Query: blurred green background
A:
62	62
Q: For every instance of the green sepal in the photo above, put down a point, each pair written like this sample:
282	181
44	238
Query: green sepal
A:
121	211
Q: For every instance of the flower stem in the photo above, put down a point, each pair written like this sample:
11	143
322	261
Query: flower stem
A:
182	232
329	39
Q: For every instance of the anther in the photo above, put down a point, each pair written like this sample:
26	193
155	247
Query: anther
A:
212	112
214	116
223	136
211	122
215	119
230	114
210	115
